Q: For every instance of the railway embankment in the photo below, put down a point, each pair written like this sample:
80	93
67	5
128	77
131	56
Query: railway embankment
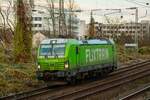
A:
16	78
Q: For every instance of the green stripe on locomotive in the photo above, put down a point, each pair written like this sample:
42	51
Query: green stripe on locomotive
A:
77	55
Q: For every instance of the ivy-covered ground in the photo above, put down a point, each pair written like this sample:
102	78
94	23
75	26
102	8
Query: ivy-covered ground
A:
16	78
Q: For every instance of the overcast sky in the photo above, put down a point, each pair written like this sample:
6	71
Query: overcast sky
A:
103	3
116	4
109	4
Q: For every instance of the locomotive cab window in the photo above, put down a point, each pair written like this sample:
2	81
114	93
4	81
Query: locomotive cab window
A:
52	50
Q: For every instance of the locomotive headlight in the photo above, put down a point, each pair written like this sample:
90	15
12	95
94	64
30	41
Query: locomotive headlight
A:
66	65
39	66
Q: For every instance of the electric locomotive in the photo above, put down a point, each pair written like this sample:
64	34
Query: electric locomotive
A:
71	59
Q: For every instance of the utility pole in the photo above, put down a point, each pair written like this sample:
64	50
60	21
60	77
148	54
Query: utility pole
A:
70	18
60	9
136	29
52	13
136	33
70	23
92	32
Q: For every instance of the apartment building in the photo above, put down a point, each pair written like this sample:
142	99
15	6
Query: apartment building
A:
42	22
126	29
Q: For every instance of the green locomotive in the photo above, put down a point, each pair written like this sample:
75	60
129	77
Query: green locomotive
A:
71	59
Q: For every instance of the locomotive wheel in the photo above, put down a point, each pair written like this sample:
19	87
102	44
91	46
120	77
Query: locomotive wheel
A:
71	80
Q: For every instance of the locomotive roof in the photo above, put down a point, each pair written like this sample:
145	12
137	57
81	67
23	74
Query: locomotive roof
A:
74	41
49	41
96	41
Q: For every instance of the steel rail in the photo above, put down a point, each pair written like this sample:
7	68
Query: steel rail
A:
23	94
77	94
135	92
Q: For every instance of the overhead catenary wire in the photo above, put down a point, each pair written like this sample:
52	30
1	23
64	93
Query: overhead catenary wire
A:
143	4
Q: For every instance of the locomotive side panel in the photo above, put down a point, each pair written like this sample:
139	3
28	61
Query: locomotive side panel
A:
95	54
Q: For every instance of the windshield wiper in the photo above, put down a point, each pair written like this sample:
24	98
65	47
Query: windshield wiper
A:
49	51
56	55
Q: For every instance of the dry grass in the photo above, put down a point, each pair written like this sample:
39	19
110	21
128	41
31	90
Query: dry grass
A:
17	78
125	55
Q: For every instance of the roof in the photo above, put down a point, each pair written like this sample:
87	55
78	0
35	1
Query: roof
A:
95	41
74	41
56	40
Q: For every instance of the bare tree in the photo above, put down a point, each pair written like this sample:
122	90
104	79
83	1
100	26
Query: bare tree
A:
52	15
3	28
10	23
7	30
57	15
92	33
62	19
71	6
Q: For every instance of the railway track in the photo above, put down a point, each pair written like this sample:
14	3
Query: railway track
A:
32	93
120	76
24	94
135	92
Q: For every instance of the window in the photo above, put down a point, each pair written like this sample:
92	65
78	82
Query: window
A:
36	25
144	26
45	50
52	50
37	18
40	18
40	25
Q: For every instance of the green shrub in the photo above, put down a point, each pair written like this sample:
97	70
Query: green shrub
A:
144	50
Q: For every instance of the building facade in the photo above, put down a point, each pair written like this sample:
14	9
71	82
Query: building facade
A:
142	29
42	21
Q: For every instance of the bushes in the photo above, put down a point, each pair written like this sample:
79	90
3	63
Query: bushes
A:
144	50
129	54
17	78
